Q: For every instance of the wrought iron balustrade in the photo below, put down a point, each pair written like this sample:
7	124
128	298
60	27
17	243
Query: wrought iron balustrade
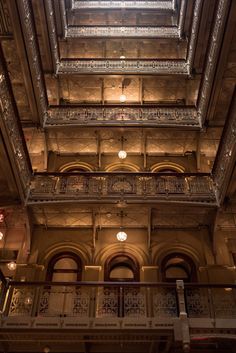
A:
110	187
126	66
123	300
122	31
127	4
112	115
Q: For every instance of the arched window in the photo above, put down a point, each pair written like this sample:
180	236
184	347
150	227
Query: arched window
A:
178	266
123	268
64	267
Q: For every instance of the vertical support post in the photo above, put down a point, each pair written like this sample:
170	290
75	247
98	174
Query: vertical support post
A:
183	316
4	286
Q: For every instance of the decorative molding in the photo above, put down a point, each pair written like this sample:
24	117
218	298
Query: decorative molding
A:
139	66
123	66
131	187
10	121
212	55
121	31
49	7
117	115
194	32
226	155
5	23
32	48
168	5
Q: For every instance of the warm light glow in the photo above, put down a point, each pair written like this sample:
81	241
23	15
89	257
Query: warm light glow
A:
122	57
121	235
1	217
122	154
122	98
11	265
28	301
1	235
228	289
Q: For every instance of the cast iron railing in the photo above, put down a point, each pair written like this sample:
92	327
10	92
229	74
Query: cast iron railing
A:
100	186
120	300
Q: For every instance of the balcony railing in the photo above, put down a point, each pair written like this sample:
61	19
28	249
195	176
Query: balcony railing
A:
119	300
127	66
111	187
113	115
127	4
122	31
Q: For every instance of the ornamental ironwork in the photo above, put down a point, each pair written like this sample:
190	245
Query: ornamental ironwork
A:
117	115
121	66
122	32
168	5
110	187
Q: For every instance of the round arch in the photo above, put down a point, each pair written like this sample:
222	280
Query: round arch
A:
167	166
121	266
124	167
74	166
65	266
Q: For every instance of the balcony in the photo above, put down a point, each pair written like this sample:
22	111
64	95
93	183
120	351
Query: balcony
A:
131	187
192	308
129	115
127	4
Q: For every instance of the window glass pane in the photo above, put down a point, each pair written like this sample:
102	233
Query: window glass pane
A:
64	277
176	272
66	264
121	272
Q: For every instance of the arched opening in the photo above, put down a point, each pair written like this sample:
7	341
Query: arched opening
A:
123	268
178	266
167	167
59	299
122	300
76	167
64	267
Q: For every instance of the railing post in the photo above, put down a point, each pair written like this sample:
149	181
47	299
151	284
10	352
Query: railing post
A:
183	316
3	294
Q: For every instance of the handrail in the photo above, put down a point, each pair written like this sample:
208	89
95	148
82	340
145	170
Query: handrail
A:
125	284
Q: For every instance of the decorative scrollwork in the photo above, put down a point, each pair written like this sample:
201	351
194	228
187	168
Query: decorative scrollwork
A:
164	302
92	186
127	4
197	302
107	302
131	66
21	301
59	116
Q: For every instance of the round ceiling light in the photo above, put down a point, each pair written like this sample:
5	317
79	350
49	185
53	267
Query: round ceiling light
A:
122	154
11	266
121	235
122	98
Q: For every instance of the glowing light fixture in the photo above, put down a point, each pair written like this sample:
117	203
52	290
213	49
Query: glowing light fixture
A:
121	235
28	300
122	57
122	154
11	266
122	98
1	235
